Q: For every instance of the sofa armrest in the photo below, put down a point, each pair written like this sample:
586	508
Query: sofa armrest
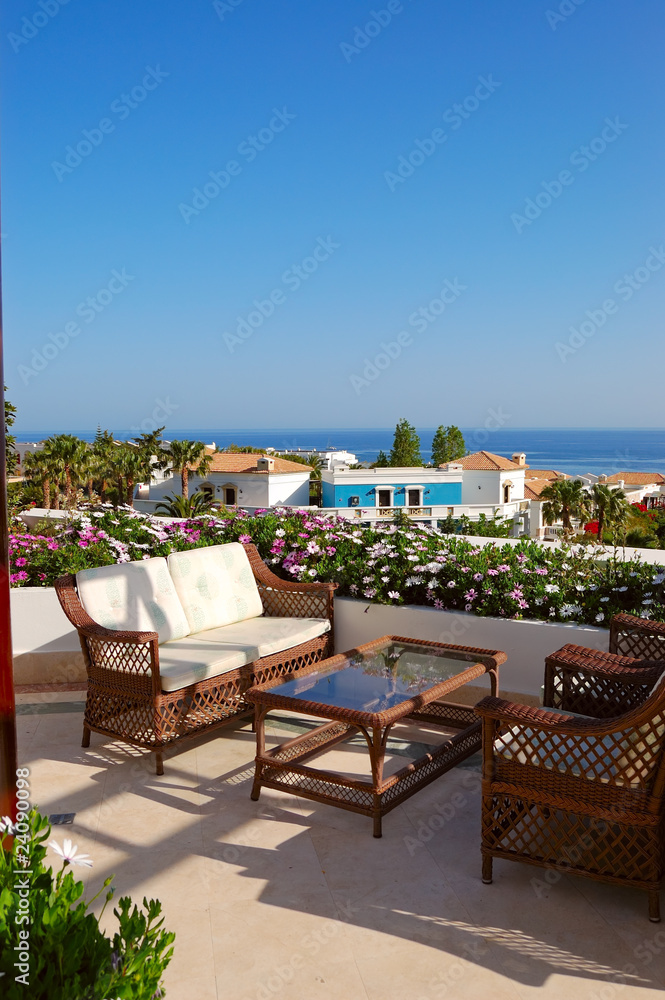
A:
638	637
287	599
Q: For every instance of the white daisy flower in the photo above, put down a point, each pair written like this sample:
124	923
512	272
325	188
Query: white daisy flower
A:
69	853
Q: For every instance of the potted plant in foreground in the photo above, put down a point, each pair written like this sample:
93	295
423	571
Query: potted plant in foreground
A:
52	946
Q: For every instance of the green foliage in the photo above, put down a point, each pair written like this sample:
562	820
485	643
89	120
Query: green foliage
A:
243	449
11	456
178	506
405	452
642	538
448	445
419	564
20	496
68	955
565	501
185	456
495	527
382	461
610	507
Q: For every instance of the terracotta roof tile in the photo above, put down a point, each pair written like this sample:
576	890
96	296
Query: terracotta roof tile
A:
637	478
550	474
485	460
534	487
223	462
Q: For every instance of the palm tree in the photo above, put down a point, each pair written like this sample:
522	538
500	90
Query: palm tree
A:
610	507
565	500
103	450
129	467
70	453
178	506
42	469
186	457
153	456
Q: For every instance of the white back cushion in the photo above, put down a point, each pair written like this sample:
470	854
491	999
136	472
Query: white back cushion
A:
215	585
134	597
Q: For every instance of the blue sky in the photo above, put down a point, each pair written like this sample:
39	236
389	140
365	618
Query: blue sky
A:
367	250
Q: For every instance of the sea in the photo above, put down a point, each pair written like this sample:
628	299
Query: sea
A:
570	449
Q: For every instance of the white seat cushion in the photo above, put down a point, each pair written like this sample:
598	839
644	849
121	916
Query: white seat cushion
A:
215	585
187	661
134	597
265	636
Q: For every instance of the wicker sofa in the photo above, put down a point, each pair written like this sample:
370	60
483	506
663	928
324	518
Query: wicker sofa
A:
172	645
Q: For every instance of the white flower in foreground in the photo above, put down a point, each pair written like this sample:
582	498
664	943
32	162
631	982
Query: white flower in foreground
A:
69	854
6	826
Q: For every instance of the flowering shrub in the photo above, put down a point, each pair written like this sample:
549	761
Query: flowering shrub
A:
389	563
52	946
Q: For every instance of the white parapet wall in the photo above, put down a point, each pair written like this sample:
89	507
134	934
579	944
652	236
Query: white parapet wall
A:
526	643
47	649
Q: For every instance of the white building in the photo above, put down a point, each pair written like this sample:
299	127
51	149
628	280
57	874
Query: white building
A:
244	480
491	479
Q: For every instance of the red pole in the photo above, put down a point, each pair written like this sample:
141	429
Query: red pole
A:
8	754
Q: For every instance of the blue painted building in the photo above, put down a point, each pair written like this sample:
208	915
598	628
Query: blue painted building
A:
409	487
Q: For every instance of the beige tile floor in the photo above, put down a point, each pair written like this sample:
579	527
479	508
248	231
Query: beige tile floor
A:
290	899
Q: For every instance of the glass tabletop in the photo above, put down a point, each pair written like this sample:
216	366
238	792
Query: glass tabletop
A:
378	679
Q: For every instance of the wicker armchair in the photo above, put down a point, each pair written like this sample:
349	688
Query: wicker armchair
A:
585	795
125	697
638	637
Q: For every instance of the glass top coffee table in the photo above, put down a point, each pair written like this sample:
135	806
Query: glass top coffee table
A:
368	690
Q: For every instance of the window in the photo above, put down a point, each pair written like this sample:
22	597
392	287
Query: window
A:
230	496
413	497
208	490
384	498
506	493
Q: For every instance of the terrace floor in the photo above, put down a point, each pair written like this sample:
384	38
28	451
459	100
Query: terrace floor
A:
284	898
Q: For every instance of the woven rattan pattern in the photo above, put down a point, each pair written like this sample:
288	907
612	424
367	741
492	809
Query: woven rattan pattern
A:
637	637
479	661
283	766
125	699
584	794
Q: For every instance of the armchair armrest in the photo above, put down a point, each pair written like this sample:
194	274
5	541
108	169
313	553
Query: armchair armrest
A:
622	751
639	637
285	598
590	682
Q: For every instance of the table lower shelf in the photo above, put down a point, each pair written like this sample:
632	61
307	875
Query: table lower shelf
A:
283	767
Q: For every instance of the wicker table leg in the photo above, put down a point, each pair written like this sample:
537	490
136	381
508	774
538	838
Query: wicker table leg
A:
260	726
